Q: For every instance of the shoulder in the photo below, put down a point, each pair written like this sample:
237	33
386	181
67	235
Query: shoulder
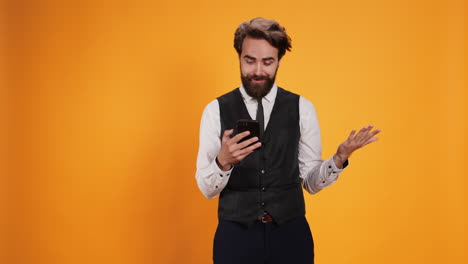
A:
212	108
304	103
306	109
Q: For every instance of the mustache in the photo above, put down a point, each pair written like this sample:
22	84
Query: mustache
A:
257	77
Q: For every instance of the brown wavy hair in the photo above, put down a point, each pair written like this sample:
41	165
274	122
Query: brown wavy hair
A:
260	28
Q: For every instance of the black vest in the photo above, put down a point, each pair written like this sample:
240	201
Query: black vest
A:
268	179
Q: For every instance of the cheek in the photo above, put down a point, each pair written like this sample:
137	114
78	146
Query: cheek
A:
271	71
246	69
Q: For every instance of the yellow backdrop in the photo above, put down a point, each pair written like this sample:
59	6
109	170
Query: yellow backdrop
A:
105	99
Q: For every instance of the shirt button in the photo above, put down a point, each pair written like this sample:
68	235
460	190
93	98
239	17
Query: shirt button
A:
220	175
329	166
323	182
227	174
216	186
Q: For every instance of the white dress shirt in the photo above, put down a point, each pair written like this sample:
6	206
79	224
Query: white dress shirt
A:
315	173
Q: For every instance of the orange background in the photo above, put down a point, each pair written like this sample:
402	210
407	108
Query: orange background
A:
104	99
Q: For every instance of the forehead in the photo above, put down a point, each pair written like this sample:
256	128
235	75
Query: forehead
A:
258	48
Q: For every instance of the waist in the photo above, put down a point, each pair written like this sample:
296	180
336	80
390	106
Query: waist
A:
262	188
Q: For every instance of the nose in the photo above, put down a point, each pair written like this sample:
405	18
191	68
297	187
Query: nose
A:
259	69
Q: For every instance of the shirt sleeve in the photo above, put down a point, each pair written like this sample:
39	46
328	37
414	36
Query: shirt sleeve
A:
316	174
210	178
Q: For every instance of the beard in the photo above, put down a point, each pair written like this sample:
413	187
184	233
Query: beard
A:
257	90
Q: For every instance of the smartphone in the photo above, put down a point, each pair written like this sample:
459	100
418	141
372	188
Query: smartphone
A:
248	125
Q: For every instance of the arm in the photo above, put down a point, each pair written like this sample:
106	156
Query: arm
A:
210	178
216	157
316	174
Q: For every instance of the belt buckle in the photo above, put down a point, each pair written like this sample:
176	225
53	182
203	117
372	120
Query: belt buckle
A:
266	218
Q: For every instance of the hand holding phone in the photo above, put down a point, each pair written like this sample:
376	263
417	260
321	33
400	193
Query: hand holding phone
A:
234	149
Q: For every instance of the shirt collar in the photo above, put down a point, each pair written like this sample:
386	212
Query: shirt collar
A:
270	97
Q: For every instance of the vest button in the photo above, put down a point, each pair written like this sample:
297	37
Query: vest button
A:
263	171
263	204
263	189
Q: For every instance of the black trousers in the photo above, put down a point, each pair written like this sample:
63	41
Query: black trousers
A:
268	243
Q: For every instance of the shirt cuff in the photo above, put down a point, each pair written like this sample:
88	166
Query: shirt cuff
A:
332	169
221	177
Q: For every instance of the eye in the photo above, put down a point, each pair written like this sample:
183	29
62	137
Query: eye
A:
249	61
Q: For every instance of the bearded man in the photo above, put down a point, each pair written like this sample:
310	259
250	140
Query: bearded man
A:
261	208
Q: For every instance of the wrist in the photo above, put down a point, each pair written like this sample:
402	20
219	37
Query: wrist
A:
223	166
340	160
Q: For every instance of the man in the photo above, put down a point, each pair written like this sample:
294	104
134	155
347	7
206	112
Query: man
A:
261	206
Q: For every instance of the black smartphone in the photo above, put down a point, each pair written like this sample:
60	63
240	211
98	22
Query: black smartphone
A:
248	125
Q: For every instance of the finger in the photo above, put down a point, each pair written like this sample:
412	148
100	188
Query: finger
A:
359	136
370	141
372	134
240	136
254	146
351	135
363	129
368	128
247	151
226	134
375	132
247	142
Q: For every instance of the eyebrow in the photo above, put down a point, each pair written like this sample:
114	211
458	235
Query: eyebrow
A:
264	59
269	58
